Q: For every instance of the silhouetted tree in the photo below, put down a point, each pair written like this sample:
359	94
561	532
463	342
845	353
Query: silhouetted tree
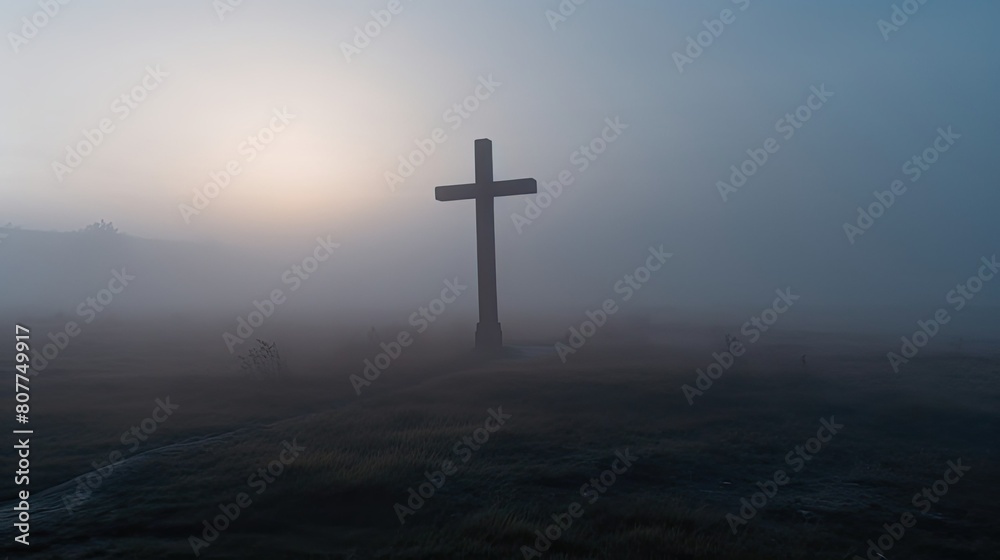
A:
101	228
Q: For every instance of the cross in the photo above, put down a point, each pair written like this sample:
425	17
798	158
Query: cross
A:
483	191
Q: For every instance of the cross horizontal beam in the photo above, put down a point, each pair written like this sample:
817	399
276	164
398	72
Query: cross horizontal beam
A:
487	190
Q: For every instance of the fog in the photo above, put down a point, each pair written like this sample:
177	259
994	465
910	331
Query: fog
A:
602	96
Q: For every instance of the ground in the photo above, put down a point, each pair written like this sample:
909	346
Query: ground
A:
563	424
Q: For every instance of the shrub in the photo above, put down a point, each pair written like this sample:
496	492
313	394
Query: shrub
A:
263	362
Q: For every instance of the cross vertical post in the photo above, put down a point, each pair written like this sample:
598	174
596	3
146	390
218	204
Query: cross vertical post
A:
488	333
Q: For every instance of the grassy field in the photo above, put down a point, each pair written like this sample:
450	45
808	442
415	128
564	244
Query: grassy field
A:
693	462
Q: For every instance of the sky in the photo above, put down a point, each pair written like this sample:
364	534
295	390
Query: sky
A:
313	112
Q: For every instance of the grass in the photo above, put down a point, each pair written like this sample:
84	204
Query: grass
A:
362	454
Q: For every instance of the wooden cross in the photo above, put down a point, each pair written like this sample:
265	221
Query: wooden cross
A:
488	334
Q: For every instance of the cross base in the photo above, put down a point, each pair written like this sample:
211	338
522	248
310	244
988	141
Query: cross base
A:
489	337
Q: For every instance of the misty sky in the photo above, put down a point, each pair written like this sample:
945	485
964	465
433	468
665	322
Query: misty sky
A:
219	80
